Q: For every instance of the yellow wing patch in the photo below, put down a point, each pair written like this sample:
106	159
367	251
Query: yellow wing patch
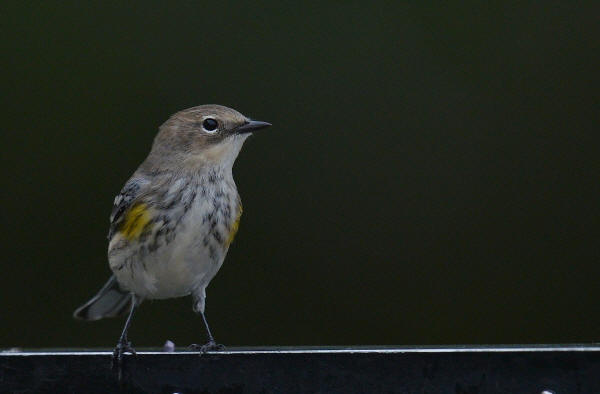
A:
136	220
235	226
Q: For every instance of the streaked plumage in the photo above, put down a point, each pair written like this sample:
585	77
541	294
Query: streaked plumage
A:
172	223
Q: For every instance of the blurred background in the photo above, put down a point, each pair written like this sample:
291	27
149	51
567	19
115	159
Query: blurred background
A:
431	176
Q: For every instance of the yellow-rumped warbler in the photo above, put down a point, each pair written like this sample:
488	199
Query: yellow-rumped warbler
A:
173	221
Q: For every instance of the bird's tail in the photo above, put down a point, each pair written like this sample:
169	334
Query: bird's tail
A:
110	301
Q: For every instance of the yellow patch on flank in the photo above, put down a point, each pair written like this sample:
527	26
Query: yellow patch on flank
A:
136	219
235	226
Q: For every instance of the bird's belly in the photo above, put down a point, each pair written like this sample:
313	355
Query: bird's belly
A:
187	263
186	258
178	275
174	271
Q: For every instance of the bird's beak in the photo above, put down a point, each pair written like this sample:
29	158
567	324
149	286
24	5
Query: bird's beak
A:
251	126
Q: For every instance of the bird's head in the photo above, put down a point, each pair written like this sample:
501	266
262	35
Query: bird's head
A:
204	135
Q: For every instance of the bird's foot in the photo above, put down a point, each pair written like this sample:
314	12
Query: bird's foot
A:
210	346
117	358
122	348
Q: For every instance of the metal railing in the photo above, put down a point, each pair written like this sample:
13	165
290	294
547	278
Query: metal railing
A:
541	369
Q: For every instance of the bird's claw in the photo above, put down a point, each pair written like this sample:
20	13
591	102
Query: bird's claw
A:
120	349
117	357
210	346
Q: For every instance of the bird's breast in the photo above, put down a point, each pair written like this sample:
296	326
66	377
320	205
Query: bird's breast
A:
189	239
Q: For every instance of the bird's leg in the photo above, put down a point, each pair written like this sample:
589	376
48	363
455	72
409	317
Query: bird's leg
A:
211	345
124	345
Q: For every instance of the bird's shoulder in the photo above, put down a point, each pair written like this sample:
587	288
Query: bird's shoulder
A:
127	202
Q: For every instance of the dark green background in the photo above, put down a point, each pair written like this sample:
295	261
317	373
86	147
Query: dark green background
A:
431	176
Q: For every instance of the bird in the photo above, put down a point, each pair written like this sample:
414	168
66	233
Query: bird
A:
173	221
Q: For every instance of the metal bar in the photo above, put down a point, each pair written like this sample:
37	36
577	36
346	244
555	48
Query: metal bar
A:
511	369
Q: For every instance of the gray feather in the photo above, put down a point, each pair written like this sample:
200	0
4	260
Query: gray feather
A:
110	301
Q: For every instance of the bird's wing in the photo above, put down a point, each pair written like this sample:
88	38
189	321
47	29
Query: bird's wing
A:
126	201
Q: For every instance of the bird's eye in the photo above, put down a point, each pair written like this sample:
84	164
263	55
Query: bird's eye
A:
210	125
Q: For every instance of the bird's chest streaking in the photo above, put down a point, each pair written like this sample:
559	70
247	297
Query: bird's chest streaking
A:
175	244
